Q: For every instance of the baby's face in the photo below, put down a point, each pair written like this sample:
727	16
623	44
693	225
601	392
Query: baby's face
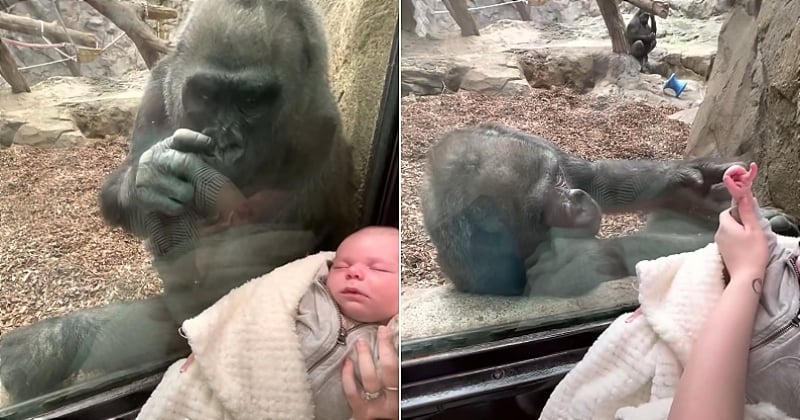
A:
365	277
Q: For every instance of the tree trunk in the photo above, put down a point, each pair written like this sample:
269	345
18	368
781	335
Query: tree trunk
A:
615	26
52	31
126	17
658	8
522	8
10	72
460	13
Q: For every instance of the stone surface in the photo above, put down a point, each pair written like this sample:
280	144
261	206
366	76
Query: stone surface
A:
753	99
65	111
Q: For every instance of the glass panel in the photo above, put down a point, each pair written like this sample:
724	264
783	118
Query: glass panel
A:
539	166
116	226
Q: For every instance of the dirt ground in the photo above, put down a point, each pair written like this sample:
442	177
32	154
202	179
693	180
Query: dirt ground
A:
589	126
56	253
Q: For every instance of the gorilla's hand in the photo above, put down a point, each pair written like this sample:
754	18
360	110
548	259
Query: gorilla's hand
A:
165	178
782	223
701	175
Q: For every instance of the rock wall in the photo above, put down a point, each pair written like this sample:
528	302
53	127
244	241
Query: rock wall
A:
752	105
360	36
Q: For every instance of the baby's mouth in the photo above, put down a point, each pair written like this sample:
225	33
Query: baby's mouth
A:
352	291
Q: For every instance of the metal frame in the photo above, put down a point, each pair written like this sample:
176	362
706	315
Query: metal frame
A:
488	369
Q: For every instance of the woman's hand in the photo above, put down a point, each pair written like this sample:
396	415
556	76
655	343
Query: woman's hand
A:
381	397
743	246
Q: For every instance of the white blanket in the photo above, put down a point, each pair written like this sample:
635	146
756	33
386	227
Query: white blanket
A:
632	370
247	358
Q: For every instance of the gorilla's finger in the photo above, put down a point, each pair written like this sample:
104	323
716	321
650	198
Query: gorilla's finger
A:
692	177
162	193
186	166
189	141
161	203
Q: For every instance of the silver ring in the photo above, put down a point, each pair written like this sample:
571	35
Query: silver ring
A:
391	388
369	396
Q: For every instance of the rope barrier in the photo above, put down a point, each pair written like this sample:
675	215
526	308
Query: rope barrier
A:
89	53
485	7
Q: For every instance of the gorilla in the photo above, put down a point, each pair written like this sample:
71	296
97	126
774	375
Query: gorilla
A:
641	37
236	165
510	213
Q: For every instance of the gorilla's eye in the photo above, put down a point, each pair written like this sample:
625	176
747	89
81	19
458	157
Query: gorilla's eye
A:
258	99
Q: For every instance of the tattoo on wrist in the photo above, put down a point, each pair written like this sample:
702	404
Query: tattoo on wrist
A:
758	284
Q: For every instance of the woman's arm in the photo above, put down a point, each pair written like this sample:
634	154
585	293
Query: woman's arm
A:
713	383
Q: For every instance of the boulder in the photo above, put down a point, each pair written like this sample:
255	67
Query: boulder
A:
752	102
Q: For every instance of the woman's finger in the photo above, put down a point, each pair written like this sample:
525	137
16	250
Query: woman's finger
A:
369	376
349	384
747	213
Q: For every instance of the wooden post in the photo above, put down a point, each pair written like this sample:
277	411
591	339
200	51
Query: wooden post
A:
10	72
460	13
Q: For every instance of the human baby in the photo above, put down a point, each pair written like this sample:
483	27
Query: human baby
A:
352	295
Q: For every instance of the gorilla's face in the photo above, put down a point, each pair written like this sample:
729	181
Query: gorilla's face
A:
644	19
237	110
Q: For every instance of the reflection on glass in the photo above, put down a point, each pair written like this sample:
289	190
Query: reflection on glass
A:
237	143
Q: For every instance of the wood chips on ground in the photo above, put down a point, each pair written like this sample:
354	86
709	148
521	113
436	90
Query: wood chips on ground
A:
589	126
56	253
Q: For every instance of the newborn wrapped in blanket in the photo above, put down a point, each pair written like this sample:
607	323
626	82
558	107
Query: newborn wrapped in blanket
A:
266	350
631	372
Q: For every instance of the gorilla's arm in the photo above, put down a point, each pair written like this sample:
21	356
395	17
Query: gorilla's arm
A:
39	358
631	185
151	124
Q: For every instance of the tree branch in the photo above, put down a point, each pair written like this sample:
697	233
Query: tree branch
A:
155	12
656	7
126	17
53	31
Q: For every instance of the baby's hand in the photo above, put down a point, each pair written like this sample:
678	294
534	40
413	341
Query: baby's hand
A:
739	181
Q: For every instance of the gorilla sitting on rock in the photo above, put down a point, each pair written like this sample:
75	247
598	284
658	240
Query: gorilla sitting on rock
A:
510	213
236	166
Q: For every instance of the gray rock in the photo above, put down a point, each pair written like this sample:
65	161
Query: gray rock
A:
753	99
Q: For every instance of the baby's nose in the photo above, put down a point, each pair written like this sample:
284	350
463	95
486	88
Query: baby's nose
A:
355	272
